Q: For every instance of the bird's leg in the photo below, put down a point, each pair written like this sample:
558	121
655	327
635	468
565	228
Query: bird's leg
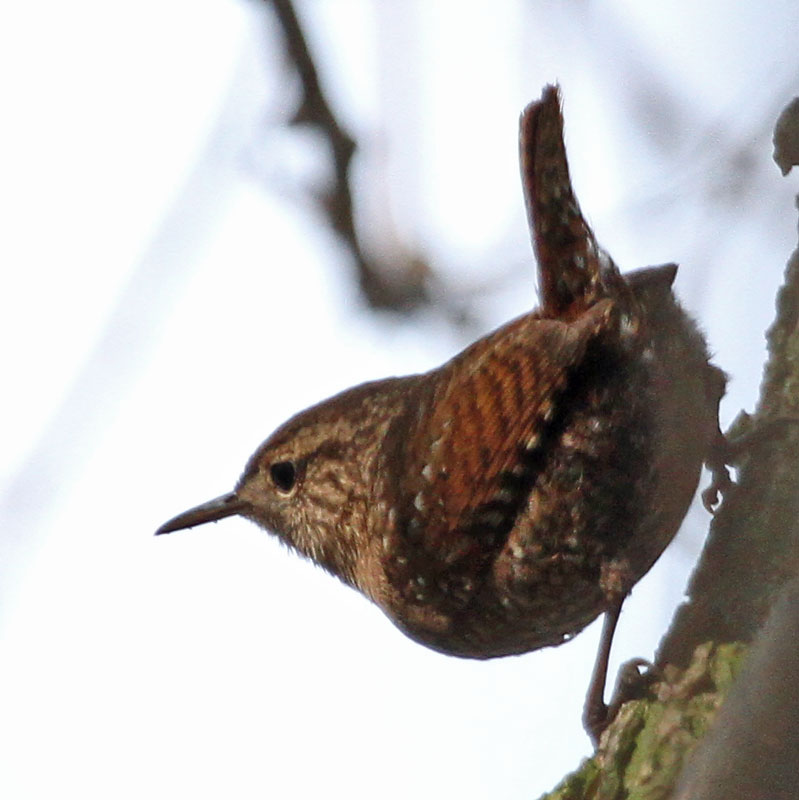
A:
596	714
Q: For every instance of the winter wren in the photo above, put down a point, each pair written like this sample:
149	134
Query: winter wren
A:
503	501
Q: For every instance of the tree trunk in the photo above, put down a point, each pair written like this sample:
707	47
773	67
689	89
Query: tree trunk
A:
721	719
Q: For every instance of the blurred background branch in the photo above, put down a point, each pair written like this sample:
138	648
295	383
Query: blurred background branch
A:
401	285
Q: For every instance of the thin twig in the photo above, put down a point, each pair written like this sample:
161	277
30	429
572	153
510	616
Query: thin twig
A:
402	288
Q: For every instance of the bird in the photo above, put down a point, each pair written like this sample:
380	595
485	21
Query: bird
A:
503	501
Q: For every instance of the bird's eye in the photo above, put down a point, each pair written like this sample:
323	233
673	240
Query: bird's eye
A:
284	475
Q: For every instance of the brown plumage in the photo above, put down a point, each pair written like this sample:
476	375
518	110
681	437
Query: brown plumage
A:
503	501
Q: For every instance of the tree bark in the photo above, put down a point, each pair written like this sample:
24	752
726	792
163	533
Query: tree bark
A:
721	720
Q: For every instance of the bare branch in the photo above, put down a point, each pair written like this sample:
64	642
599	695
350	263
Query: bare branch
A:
402	287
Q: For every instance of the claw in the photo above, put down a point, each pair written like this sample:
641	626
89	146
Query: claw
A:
731	448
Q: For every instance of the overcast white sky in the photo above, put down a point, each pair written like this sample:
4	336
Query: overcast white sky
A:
168	299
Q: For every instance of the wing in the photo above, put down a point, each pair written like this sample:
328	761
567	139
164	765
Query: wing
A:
478	441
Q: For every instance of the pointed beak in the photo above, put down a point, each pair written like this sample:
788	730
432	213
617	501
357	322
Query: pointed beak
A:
225	506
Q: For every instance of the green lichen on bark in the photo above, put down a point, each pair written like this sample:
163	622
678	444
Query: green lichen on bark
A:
643	751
